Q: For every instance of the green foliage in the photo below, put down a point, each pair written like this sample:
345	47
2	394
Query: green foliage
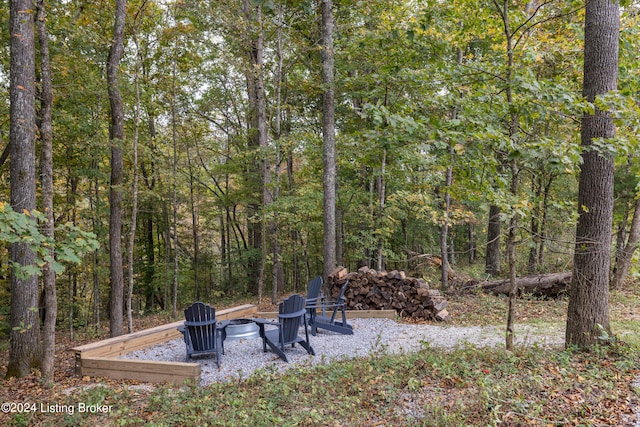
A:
22	228
424	83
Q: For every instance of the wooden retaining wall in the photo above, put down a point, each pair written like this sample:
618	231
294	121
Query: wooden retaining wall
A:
100	359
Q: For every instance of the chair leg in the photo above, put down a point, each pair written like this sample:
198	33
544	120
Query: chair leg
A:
308	348
277	350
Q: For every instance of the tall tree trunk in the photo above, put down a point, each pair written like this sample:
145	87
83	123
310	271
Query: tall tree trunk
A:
471	247
257	101
446	202
512	131
151	287
588	311
293	234
624	258
492	257
276	250
263	142
72	190
134	195
532	263
194	229
94	198
543	221
329	141
256	169
511	255
25	348
621	237
116	138
46	136
381	185
444	231
339	235
174	193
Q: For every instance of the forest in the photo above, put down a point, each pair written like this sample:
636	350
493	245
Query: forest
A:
192	150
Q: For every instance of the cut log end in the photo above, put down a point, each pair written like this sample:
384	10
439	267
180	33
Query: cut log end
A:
373	290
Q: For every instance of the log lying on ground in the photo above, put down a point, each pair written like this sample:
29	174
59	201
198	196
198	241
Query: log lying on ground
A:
546	285
380	290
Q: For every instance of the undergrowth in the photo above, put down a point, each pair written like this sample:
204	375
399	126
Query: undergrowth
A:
466	386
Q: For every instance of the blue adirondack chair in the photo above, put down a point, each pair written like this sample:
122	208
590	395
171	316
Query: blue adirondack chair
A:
203	334
291	315
322	312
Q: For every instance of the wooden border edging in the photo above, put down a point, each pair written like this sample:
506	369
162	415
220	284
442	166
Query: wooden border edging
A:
141	370
99	359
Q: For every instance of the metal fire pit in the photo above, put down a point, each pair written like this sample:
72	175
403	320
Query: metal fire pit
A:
238	329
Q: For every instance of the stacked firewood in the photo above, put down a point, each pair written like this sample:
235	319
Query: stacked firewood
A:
369	289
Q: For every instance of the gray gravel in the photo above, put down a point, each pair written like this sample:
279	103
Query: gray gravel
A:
371	336
243	357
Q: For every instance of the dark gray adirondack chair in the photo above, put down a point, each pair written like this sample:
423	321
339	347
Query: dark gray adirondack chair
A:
291	315
318	309
203	334
314	294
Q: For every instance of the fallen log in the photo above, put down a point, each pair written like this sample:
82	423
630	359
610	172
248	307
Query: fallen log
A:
550	285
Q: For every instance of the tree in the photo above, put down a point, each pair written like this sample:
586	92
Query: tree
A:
625	256
329	140
116	136
25	348
46	161
588	311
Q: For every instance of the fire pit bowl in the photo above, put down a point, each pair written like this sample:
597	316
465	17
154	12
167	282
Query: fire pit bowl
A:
238	329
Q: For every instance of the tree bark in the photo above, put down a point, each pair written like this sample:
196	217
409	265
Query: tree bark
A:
25	348
254	229
588	312
492	258
46	136
134	196
116	138
277	277
512	130
549	285
174	193
381	186
329	141
194	228
624	258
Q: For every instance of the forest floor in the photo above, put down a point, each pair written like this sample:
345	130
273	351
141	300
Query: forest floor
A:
466	309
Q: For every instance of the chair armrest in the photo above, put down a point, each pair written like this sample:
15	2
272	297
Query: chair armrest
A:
262	322
222	324
199	322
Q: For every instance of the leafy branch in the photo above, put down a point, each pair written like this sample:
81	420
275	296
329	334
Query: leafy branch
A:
23	228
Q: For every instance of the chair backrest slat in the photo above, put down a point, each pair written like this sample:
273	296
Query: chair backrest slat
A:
202	335
313	294
294	308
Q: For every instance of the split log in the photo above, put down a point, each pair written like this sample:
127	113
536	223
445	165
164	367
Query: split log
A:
546	285
381	290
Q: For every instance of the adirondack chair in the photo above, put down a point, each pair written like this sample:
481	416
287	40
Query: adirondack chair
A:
291	314
322	319
203	334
